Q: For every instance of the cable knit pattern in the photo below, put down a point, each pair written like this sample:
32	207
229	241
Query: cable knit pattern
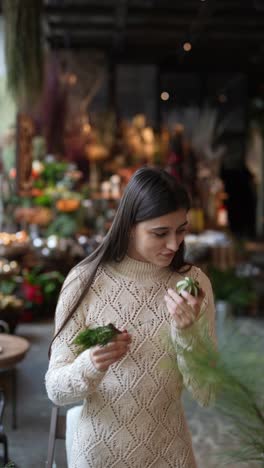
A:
132	415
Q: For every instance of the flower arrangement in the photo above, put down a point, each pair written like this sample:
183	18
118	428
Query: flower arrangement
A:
40	288
55	204
9	301
29	293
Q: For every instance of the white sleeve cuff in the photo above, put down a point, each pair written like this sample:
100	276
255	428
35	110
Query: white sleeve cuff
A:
87	368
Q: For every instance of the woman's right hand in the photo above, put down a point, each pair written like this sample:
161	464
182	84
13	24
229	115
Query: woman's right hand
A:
104	356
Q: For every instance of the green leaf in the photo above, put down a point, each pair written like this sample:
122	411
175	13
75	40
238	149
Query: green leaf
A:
63	226
49	288
43	200
7	287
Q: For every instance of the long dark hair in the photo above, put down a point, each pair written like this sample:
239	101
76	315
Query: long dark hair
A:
150	193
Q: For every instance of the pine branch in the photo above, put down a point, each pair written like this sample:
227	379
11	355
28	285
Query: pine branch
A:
95	336
236	372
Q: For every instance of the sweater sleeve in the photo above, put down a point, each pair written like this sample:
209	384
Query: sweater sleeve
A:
196	339
70	379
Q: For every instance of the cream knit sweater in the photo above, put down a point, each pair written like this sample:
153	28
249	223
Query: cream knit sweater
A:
132	415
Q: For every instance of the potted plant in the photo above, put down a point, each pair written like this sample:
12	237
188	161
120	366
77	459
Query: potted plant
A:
233	293
39	290
11	304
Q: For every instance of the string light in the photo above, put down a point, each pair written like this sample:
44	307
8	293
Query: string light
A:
86	128
72	79
187	46
164	96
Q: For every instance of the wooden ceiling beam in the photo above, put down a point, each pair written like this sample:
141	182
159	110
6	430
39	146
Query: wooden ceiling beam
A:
78	21
139	35
219	62
120	19
158	28
207	50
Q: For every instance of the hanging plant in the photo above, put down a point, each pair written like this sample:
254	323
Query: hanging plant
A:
24	49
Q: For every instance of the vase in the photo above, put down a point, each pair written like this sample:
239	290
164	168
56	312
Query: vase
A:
223	315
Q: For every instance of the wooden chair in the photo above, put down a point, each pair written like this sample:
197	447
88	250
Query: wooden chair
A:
57	431
3	436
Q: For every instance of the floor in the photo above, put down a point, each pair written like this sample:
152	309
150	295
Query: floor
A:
28	444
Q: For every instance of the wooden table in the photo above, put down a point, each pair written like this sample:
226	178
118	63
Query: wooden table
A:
12	350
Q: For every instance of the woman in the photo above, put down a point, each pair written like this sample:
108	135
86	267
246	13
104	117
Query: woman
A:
132	414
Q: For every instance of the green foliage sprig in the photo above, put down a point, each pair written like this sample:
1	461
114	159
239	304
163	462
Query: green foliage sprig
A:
95	336
236	373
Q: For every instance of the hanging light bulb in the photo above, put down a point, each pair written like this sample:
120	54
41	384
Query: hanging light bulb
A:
187	46
165	96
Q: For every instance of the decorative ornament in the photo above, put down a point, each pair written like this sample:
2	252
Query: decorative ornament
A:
188	284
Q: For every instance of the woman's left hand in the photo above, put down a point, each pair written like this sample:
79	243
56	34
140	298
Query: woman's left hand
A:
184	308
